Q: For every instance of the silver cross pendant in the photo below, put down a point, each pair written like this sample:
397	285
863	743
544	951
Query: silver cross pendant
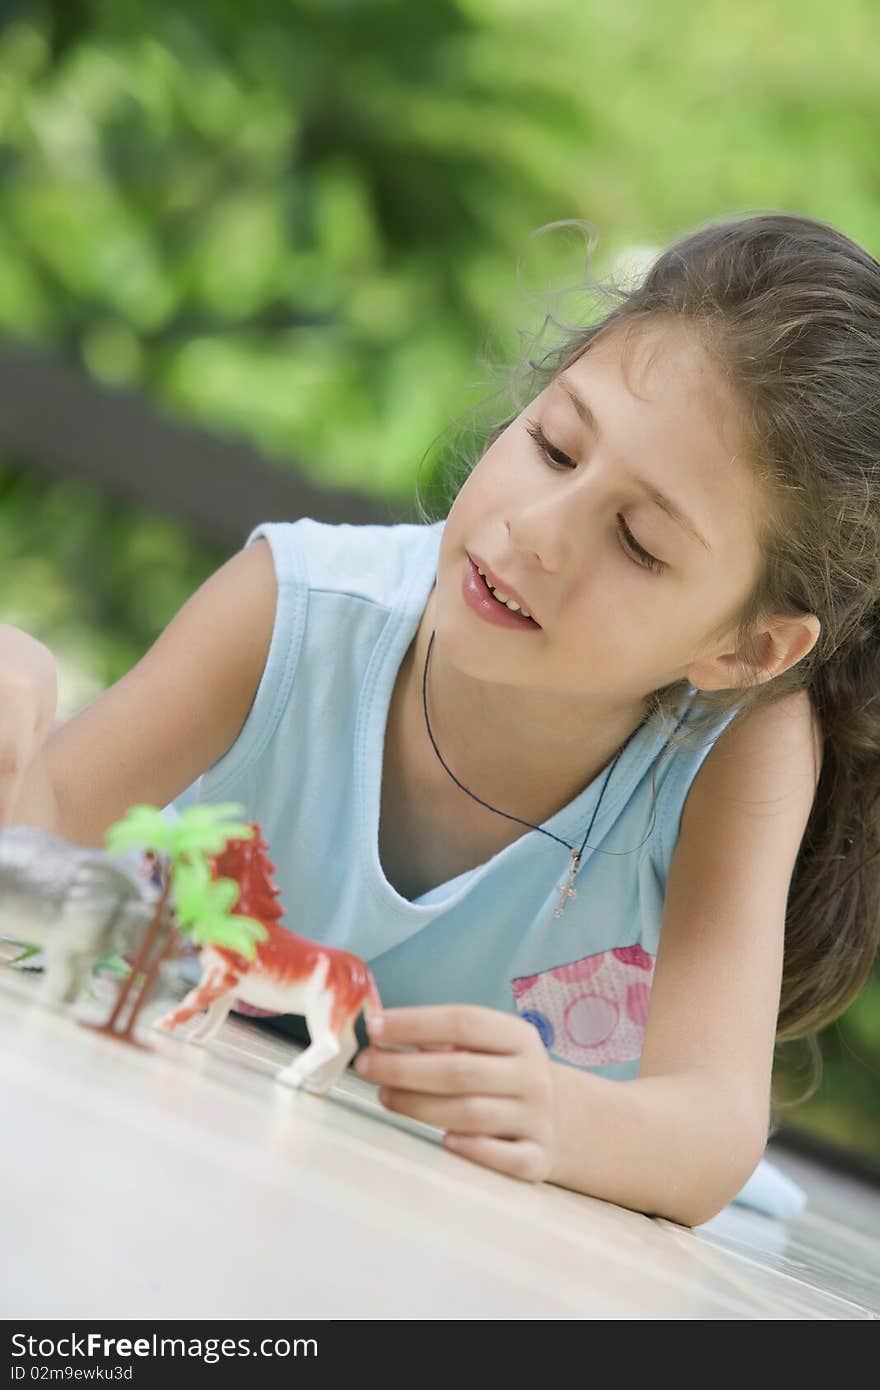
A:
566	890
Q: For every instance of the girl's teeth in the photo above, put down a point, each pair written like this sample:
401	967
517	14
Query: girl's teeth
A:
502	598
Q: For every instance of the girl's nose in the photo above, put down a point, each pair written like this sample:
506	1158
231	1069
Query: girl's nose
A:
555	526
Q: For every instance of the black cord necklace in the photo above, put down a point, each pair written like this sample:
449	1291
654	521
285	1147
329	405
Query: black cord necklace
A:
566	890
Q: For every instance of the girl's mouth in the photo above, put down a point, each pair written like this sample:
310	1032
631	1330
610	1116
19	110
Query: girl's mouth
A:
480	599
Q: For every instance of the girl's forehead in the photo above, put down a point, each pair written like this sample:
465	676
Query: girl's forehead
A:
664	367
652	354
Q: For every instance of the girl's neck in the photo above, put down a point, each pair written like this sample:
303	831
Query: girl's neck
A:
511	748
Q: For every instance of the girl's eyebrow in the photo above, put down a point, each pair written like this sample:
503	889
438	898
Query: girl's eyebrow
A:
672	509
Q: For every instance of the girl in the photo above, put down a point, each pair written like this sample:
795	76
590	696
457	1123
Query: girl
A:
587	770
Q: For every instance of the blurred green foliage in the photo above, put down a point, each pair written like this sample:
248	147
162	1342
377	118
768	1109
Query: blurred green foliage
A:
95	580
307	223
846	1105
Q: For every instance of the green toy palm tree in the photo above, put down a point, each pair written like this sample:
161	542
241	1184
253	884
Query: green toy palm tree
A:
181	847
203	906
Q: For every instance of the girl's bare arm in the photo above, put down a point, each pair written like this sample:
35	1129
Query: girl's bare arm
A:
175	713
684	1136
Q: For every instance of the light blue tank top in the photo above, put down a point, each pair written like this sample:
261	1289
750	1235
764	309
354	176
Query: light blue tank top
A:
307	766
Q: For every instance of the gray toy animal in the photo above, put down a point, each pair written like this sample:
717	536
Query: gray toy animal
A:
73	902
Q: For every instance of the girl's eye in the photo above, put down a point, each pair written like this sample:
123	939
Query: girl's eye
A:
637	554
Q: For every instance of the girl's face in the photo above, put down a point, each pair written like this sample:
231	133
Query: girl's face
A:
627	597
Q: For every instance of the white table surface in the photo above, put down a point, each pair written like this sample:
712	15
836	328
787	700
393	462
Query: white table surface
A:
184	1182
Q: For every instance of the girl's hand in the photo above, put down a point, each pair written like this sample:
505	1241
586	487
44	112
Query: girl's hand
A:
482	1075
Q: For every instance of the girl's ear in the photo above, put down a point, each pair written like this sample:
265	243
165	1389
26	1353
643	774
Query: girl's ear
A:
778	646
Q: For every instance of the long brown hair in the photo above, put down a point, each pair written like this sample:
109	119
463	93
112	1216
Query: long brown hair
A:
789	310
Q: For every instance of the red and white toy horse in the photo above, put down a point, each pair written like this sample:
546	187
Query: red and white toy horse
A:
288	975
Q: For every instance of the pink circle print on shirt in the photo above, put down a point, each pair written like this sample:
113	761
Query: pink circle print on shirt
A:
591	1011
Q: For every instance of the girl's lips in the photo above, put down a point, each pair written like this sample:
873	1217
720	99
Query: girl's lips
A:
478	597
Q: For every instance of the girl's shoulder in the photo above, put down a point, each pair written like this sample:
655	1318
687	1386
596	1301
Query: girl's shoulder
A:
782	737
779	745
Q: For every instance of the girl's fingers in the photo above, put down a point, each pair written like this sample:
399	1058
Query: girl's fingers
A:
442	1073
468	1026
519	1158
463	1114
